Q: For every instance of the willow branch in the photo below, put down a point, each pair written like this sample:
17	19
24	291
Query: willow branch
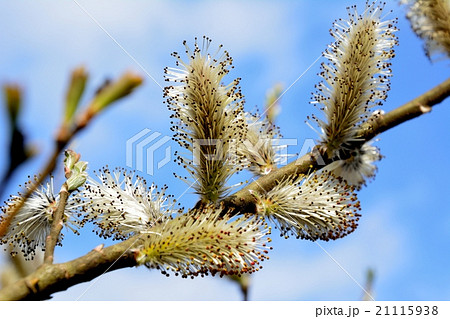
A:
243	200
57	225
51	278
414	108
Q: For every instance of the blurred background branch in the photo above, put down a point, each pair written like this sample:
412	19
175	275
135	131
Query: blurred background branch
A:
70	125
368	288
19	150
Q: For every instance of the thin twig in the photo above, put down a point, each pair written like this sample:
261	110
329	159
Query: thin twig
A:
57	225
44	173
408	111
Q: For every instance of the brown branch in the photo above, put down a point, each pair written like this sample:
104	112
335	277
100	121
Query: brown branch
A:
243	200
408	111
57	225
51	278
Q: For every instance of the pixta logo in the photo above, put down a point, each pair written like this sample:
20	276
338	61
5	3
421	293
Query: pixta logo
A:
147	150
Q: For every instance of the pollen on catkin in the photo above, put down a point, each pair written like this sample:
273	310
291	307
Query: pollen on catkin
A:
206	242
320	206
260	151
32	223
209	122
355	79
359	167
121	204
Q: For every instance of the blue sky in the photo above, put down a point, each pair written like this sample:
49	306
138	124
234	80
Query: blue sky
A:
404	232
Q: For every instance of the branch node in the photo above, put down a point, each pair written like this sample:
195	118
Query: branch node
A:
99	248
32	284
425	108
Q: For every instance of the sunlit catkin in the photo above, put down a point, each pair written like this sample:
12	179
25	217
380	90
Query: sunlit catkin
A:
209	118
261	151
319	206
204	243
32	223
120	204
356	78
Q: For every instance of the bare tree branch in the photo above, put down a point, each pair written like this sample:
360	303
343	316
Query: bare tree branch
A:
57	225
50	278
410	110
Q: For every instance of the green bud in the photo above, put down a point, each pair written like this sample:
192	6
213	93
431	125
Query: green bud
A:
13	97
71	158
78	176
273	102
75	170
115	91
74	93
